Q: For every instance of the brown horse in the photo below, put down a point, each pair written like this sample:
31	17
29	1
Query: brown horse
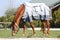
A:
18	17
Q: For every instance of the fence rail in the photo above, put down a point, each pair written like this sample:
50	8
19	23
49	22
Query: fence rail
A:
4	24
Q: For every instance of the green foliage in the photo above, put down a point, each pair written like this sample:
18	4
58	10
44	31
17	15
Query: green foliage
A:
37	23
56	16
10	14
3	19
10	19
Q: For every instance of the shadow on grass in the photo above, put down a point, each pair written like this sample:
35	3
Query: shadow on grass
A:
29	36
59	36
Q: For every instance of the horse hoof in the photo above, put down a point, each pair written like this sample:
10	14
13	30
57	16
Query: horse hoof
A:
34	34
47	34
23	34
44	35
13	34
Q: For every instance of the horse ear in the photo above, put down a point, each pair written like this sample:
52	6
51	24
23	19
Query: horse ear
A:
23	5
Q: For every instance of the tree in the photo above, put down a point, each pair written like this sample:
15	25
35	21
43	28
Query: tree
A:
10	14
56	16
3	19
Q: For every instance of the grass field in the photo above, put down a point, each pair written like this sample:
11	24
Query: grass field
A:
39	34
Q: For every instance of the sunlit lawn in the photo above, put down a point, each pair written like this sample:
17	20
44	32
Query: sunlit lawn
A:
29	34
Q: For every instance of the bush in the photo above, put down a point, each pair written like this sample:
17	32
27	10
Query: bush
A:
56	16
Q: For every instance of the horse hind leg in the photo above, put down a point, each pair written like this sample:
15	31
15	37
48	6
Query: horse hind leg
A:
32	25
48	24
44	28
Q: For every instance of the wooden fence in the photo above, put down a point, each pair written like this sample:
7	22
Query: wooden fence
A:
4	24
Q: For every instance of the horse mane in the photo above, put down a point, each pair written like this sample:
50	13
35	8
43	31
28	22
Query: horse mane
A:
22	7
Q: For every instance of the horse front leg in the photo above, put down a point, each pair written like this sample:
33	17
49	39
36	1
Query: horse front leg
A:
24	29
19	15
14	30
32	25
16	25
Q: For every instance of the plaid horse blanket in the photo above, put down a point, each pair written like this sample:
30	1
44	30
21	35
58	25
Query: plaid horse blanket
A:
37	11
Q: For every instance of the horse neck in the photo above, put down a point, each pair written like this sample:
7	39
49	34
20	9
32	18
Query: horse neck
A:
18	12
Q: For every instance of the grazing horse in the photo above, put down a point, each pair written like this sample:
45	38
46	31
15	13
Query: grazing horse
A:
30	12
17	18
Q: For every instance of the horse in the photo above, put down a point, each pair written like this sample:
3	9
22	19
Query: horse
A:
30	12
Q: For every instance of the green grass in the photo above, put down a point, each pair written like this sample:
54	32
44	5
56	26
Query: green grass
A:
29	34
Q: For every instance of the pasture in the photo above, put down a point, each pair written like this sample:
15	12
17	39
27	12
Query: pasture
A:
39	34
